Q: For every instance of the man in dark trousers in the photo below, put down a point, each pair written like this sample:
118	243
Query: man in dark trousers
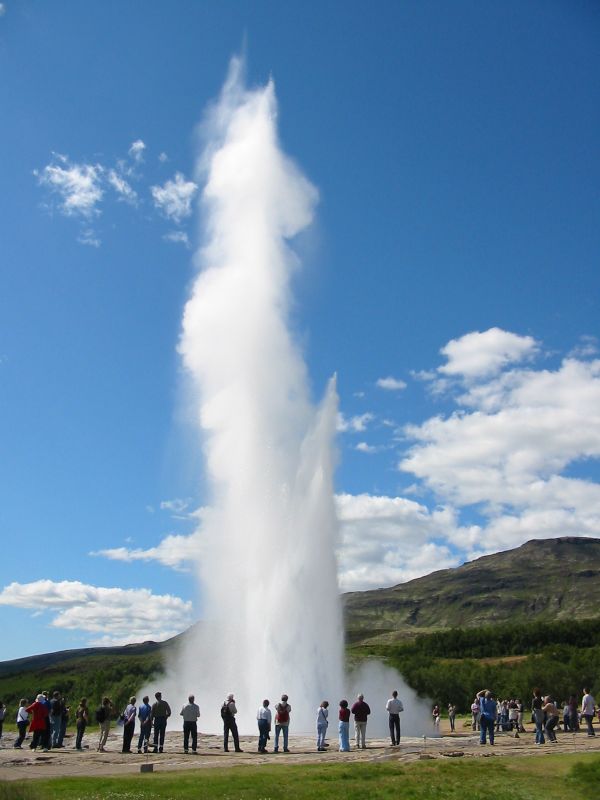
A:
228	712
161	711
190	714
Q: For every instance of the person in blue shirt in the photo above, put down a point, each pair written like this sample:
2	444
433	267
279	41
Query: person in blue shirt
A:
145	718
488	712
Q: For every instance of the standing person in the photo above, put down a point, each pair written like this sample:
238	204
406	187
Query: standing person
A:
47	735
573	715
322	723
394	708
452	716
588	709
56	709
344	727
64	721
475	714
161	711
129	724
22	722
145	718
2	715
82	717
39	722
520	712
361	711
488	710
282	723
190	714
436	713
263	717
103	719
538	716
513	717
551	713
228	712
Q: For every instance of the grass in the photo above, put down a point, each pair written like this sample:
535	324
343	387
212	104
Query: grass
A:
549	777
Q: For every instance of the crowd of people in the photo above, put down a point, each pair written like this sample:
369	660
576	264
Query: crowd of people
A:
489	715
47	717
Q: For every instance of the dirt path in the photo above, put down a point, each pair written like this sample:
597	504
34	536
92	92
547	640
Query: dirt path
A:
20	764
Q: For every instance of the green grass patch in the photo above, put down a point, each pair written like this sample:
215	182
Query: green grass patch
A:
522	778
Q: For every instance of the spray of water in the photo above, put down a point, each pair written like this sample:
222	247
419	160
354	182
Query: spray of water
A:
268	571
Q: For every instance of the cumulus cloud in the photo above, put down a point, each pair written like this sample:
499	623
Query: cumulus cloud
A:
364	447
174	198
131	615
355	424
175	550
78	186
391	384
136	151
480	354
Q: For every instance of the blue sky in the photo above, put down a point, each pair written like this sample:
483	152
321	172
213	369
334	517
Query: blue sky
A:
455	252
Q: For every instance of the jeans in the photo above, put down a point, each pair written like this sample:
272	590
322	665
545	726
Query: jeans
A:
263	732
144	737
360	730
128	730
452	726
538	716
590	728
63	730
550	725
80	732
321	731
394	722
55	723
486	725
160	726
22	726
284	730
344	733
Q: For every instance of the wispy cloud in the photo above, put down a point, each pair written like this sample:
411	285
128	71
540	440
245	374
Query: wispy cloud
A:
174	198
177	237
2	9
124	189
136	151
89	237
355	424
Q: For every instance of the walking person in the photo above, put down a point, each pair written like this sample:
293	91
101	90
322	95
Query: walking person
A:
103	719
263	717
538	716
452	716
228	712
394	708
82	716
161	711
190	714
145	718
282	723
322	723
588	709
38	711
488	710
22	722
361	711
344	727
129	725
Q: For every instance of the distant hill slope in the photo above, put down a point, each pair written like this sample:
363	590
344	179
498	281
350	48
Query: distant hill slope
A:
544	579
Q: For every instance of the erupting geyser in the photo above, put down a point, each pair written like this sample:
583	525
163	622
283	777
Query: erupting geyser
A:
271	608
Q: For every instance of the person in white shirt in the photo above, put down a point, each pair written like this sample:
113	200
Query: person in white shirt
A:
394	708
588	709
22	722
190	714
264	718
322	723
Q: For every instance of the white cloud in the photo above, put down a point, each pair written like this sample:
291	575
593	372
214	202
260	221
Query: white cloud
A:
136	151
479	354
355	424
363	447
177	237
174	198
125	191
131	615
175	551
77	185
391	384
163	157
2	9
88	236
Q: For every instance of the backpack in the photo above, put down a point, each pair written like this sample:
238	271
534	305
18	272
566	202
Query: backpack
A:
100	714
283	715
225	712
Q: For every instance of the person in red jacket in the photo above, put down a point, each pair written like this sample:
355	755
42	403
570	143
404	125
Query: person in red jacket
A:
39	721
